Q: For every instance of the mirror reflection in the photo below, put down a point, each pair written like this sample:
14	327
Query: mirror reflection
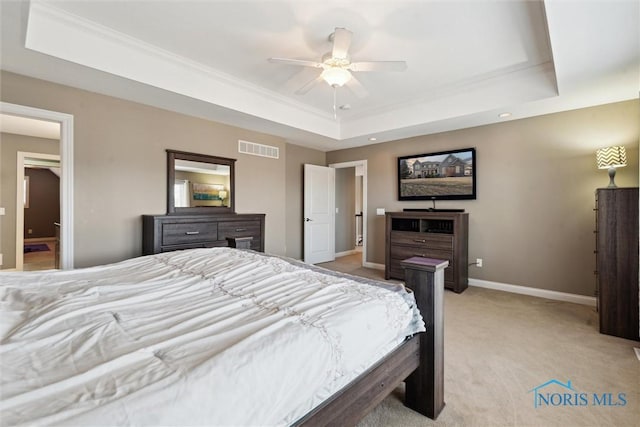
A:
198	184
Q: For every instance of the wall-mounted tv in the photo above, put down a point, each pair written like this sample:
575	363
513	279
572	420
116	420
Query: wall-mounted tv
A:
445	175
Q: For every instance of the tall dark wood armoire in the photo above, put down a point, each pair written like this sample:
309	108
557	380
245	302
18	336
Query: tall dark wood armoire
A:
617	261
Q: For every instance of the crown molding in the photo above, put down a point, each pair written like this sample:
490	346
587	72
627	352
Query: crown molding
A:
55	32
488	92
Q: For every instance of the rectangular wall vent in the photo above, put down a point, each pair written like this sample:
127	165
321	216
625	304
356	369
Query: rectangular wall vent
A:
254	149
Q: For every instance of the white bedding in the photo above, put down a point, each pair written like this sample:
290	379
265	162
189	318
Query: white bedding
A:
201	337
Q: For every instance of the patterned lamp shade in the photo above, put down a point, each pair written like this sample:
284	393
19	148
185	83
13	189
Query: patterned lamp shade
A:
611	157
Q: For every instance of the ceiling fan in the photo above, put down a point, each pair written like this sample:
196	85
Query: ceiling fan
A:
337	67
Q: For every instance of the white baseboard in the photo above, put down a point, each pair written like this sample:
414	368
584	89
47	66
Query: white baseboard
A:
345	253
373	265
535	292
515	289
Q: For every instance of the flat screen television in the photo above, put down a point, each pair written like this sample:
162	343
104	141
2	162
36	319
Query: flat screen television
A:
445	175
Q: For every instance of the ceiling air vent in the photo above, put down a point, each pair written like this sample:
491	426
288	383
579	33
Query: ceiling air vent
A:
254	149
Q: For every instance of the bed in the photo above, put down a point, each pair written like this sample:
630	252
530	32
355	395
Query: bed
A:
214	336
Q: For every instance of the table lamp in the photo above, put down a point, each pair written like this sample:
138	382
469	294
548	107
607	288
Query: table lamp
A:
611	158
223	195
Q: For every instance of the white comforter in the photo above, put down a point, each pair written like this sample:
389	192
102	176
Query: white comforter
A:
200	337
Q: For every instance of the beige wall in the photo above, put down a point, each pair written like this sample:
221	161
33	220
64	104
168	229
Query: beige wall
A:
120	167
533	220
297	156
10	144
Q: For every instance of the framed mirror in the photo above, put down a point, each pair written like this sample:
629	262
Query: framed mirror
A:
199	184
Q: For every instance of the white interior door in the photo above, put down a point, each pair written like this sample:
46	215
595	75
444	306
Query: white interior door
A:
319	214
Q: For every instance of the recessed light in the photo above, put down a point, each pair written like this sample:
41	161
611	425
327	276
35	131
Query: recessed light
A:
373	138
504	115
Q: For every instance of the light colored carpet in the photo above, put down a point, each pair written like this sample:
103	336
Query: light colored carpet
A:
499	346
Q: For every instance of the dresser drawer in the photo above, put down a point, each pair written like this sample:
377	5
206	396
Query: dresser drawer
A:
193	245
188	232
397	272
238	229
242	229
404	252
426	240
400	253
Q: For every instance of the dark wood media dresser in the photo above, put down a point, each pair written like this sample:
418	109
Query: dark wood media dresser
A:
163	233
439	235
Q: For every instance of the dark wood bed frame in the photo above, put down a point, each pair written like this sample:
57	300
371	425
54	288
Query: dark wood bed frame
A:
419	360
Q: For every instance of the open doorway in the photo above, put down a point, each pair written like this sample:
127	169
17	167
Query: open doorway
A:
38	222
64	122
351	212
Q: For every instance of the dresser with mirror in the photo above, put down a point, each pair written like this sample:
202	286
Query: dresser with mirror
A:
201	208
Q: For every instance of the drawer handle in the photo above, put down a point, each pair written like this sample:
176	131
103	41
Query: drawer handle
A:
420	240
191	233
241	229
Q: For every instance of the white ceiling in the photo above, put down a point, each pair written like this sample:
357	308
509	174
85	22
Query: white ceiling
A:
30	127
467	61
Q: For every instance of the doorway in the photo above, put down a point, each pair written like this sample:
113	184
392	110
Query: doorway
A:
354	217
65	122
37	211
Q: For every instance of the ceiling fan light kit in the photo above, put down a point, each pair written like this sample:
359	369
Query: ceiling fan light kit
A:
336	76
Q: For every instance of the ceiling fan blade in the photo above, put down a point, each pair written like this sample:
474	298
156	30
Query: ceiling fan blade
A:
310	85
356	87
299	62
341	43
378	66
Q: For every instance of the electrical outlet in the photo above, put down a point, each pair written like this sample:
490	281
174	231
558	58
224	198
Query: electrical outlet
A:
30	231
478	262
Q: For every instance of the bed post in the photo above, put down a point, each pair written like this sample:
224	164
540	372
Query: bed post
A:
425	386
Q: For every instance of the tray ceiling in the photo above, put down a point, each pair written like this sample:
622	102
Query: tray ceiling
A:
467	61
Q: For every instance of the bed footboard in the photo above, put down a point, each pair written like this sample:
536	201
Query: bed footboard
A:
425	386
419	361
353	402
